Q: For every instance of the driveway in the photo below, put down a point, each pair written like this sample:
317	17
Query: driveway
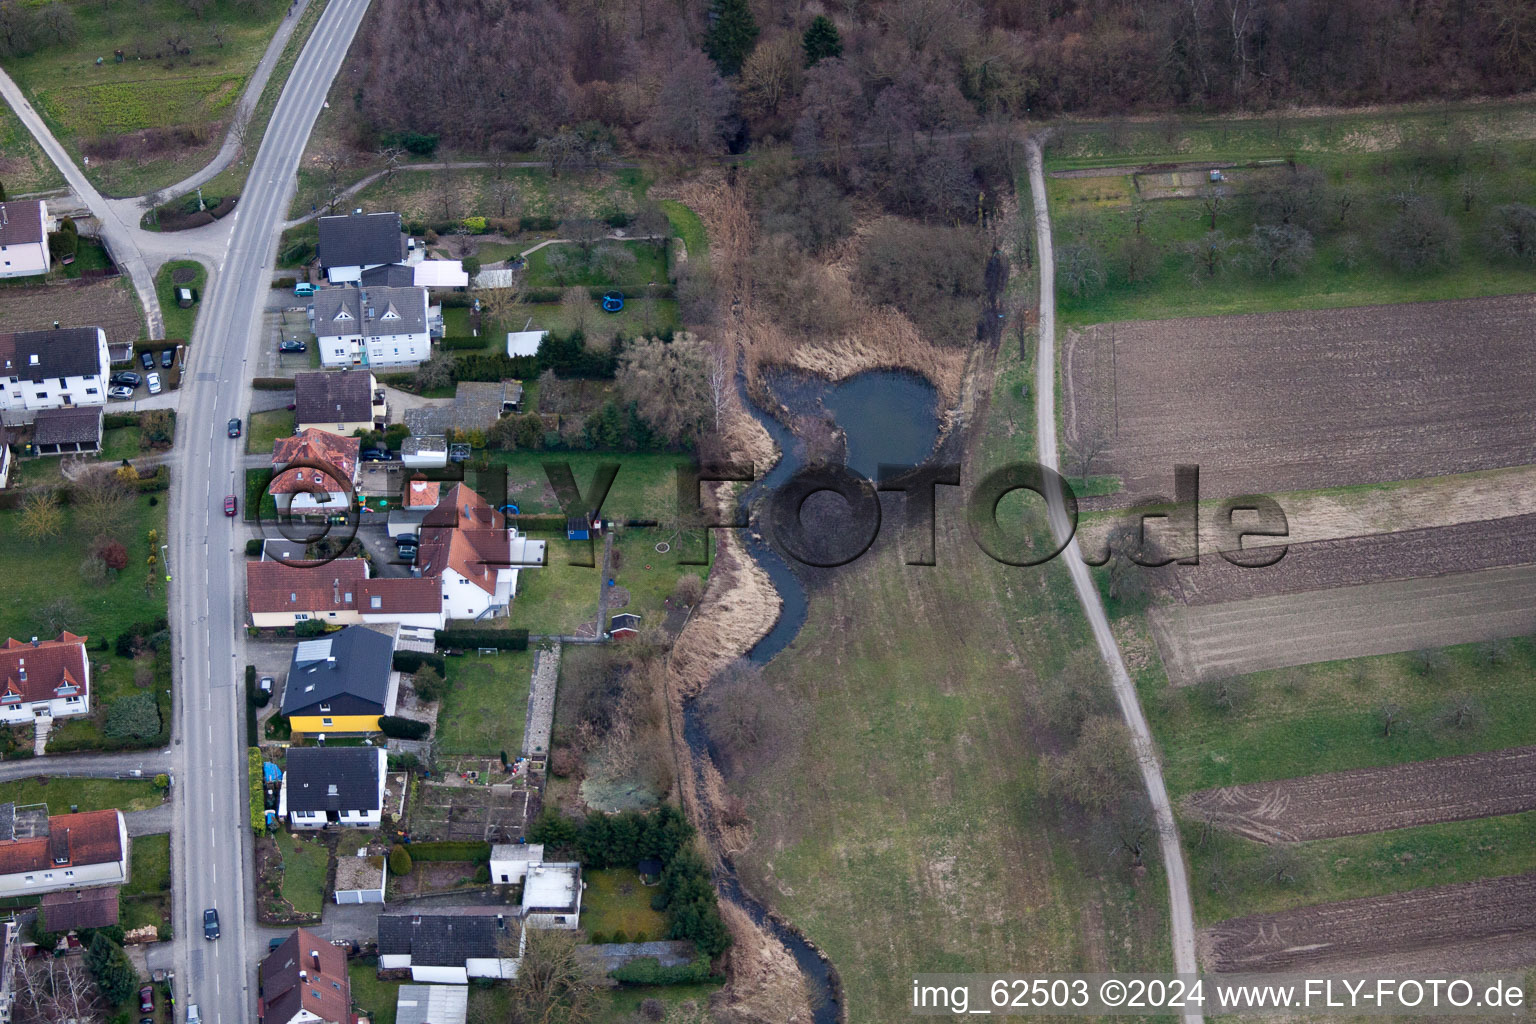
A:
375	540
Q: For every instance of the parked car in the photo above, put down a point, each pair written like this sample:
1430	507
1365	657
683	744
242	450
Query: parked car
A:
407	538
119	391
407	553
153	380
266	687
127	378
148	359
234	427
292	346
147	999
303	288
192	1017
210	932
376	455
229	504
167	358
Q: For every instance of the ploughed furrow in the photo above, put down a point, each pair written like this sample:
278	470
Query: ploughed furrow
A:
1483	925
1238	637
1374	799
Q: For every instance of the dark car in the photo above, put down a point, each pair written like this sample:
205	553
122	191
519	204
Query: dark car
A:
234	427
407	538
376	455
406	553
147	999
210	924
127	378
274	943
148	359
292	346
167	357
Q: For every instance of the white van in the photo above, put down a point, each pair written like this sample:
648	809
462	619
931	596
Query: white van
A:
192	1017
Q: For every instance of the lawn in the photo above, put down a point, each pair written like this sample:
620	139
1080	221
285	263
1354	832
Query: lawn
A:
258	497
1347	268
685	1004
263	428
150	868
616	901
1232	876
636	319
184	101
26	167
179	322
377	998
688	226
486	703
60	794
649	575
557	598
649	267
304	867
645	487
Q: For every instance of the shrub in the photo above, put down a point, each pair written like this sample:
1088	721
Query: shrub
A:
410	661
500	639
428	684
272	383
455	850
136	717
403	728
598	938
258	792
462	341
648	971
253	547
619	936
162	781
111	552
309	628
399	860
553	829
483	873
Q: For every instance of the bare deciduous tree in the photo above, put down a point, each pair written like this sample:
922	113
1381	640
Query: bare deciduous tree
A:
669	384
41	515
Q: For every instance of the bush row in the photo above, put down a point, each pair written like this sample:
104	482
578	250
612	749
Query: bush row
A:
451	850
258	793
648	971
500	639
273	383
462	341
397	728
410	661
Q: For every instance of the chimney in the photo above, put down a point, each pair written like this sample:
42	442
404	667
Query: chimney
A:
303	975
336	590
4	217
32	359
314	955
34	641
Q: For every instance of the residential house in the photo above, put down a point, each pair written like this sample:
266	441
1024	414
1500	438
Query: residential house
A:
552	895
304	981
67	431
451	946
63	851
467	545
624	626
44	680
338	592
372	326
360	879
51	370
333	786
353	243
24	227
71	910
509	861
441	274
307	487
340	402
341	683
432	1004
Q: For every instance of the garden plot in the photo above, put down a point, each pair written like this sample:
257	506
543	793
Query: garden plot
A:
461	807
1308	399
1374	799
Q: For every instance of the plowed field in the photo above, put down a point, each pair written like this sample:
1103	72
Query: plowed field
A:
1487	925
1375	799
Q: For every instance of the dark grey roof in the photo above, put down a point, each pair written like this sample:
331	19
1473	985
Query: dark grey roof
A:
335	396
67	426
394	275
348	670
444	940
333	778
22	221
370	312
626	620
66	352
357	240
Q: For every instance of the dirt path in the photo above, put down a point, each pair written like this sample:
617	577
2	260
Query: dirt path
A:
1180	910
1374	799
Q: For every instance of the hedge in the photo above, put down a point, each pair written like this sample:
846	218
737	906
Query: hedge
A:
273	384
253	547
258	792
463	341
159	480
495	366
397	728
647	970
285	283
410	661
451	850
118	420
500	639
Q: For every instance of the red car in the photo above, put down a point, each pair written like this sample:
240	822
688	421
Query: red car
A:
147	999
229	504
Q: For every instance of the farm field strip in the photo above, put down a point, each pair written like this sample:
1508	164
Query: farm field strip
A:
1238	637
1374	799
1483	925
1374	393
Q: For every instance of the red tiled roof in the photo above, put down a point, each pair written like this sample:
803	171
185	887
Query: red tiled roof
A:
276	587
39	673
73	909
466	535
421	494
407	595
313	445
73	840
324	990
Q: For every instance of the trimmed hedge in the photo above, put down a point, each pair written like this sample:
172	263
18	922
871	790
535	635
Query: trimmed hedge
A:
647	970
463	341
500	639
157	346
159	480
452	850
397	728
410	661
258	793
118	420
272	384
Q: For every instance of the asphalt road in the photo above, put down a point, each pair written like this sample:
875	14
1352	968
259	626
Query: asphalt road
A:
1180	911
212	841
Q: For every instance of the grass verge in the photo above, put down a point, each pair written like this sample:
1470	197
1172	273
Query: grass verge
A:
60	794
179	322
